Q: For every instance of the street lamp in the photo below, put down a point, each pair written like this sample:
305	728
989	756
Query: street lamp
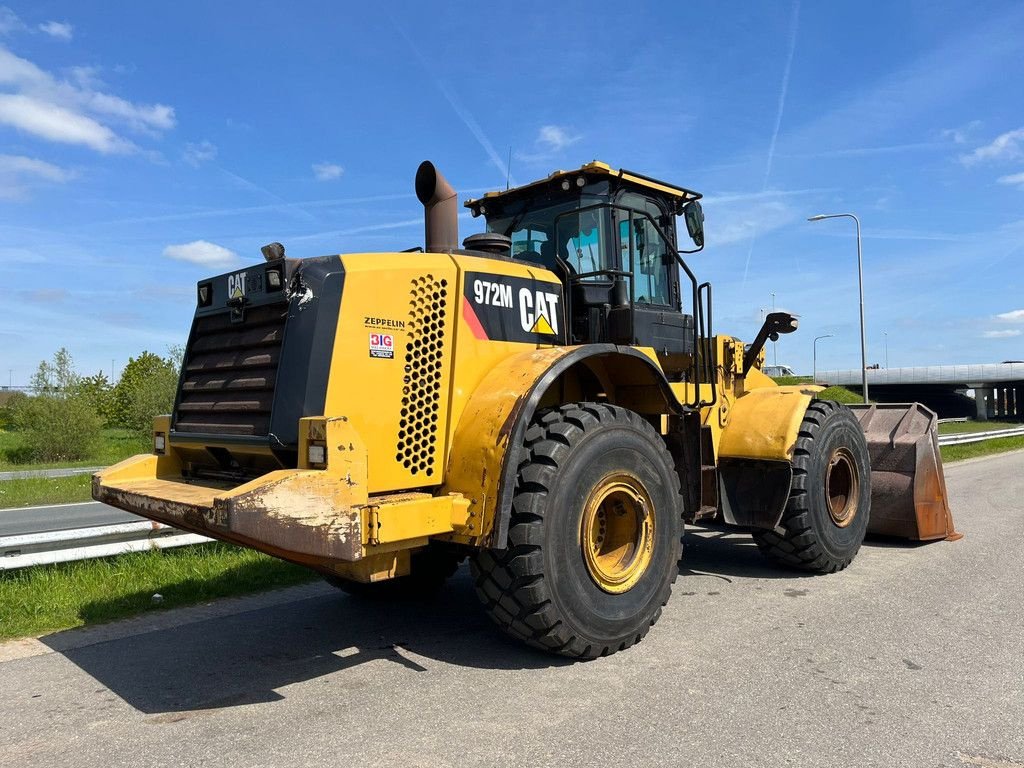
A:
886	334
814	377
860	282
775	348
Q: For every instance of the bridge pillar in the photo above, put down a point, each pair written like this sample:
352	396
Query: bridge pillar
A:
983	403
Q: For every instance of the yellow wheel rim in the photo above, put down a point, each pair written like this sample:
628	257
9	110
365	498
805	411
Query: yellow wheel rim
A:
842	487
617	532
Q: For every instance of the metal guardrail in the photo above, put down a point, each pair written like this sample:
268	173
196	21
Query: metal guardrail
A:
961	438
23	550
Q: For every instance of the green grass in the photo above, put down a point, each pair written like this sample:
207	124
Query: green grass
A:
33	491
114	445
786	381
50	598
959	427
984	448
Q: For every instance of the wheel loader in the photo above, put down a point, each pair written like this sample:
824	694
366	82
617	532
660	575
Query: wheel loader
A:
546	397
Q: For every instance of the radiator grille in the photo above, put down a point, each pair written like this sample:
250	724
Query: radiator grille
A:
417	429
229	372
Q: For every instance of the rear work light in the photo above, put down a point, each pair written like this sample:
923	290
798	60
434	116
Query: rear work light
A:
159	443
274	279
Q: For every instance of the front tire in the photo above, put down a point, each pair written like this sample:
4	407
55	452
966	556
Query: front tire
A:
595	534
826	517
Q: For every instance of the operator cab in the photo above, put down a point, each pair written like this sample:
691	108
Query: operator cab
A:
610	236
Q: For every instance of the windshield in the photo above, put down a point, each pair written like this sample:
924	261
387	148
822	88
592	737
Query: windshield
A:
560	229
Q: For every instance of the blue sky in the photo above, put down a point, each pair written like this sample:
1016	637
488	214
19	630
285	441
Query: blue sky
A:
143	146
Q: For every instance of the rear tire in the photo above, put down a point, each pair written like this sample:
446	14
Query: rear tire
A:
826	516
429	569
594	538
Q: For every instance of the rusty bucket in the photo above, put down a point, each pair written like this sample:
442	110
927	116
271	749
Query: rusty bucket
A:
908	488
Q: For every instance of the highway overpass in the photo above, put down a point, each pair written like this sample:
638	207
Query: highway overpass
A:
998	387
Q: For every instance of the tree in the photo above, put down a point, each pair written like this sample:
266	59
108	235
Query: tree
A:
58	423
146	389
97	391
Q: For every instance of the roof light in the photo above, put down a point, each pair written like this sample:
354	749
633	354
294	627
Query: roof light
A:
566	184
580	181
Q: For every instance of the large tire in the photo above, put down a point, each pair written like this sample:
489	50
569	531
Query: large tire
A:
584	466
826	516
429	569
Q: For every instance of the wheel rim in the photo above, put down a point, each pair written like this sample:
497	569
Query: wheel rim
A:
617	533
842	487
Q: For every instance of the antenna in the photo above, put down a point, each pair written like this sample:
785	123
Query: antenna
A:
508	167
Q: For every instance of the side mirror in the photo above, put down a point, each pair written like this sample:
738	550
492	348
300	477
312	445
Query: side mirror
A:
694	216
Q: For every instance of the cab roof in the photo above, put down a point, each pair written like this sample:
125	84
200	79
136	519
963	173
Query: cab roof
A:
596	169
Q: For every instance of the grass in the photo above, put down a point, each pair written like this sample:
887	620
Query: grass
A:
959	427
49	598
984	448
114	445
33	491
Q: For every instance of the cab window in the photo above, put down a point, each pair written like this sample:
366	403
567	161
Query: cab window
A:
581	241
645	252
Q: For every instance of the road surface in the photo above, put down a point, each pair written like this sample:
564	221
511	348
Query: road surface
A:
914	656
61	517
22	474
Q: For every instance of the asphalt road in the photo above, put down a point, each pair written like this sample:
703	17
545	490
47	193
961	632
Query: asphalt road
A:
914	656
22	474
61	517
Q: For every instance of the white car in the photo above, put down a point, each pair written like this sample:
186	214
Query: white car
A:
778	370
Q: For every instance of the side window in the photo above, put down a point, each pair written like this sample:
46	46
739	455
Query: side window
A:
643	253
582	243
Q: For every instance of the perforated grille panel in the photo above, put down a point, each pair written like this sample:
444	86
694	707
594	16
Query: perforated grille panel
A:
421	390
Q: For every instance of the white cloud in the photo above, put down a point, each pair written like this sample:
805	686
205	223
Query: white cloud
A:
57	29
327	171
202	252
741	222
555	137
17	172
9	21
961	134
1008	333
1014	316
1014	179
197	154
73	111
1006	146
550	141
54	123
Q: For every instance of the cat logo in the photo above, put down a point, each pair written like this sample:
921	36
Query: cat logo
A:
236	285
538	311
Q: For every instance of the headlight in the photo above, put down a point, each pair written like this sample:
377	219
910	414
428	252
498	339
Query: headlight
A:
159	443
205	294
274	280
317	454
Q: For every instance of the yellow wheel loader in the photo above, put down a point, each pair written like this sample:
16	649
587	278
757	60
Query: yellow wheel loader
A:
546	397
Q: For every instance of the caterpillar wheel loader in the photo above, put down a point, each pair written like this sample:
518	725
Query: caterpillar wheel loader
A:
547	397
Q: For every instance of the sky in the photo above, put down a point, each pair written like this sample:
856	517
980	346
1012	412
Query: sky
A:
144	146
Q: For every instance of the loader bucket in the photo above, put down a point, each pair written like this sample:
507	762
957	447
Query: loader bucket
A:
908	488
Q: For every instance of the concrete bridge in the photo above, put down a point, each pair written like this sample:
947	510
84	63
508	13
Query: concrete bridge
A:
998	387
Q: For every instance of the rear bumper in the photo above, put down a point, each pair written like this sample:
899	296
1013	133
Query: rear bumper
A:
283	513
321	517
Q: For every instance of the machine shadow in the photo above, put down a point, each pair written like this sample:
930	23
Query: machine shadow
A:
728	553
244	658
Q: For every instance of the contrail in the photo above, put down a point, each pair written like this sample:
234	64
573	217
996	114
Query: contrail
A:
463	114
793	27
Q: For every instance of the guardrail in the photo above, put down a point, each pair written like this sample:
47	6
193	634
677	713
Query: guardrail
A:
27	549
960	438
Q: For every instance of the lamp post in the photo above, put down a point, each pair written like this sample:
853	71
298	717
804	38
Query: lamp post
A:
860	282
775	348
815	356
886	335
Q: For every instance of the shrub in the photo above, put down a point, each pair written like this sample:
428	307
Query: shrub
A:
58	423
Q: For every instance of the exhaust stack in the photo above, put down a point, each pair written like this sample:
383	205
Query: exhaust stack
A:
440	208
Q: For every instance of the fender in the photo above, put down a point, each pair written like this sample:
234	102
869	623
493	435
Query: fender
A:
488	442
755	454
